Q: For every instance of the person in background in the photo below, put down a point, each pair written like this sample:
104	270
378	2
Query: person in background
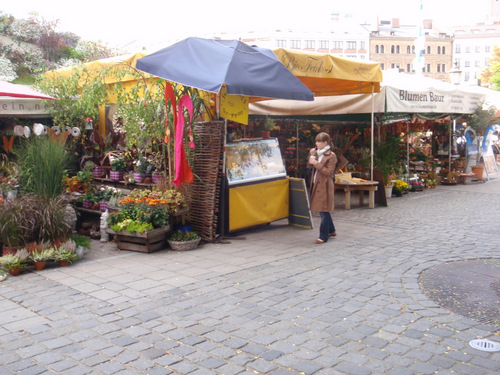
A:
323	160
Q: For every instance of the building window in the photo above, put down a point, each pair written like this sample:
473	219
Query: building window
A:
382	49
438	67
467	49
295	44
397	49
439	52
413	49
408	68
428	50
476	63
443	50
376	48
281	43
486	48
338	44
428	68
309	44
466	77
382	66
478	49
467	63
443	68
457	48
323	44
351	45
392	49
361	45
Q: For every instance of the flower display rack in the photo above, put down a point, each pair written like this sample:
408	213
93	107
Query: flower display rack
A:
146	242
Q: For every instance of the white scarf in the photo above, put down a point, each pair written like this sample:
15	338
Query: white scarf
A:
320	156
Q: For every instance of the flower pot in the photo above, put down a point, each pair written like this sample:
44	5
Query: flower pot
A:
87	203
63	263
478	170
266	134
139	177
80	251
116	175
39	265
184	245
14	271
388	191
158	177
103	206
97	172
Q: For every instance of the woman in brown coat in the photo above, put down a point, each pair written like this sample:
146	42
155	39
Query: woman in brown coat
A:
323	160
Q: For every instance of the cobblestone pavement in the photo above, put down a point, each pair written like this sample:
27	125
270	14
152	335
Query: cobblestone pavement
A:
271	303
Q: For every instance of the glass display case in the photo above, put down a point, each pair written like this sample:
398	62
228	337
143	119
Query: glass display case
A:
252	161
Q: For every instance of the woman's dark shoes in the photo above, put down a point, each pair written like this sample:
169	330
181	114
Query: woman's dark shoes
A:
333	234
319	241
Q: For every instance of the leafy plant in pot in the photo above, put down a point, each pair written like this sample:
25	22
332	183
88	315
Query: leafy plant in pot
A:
268	126
66	253
142	169
118	169
183	240
14	262
40	257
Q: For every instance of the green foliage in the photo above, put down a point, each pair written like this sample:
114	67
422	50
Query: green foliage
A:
181	236
62	254
42	166
119	164
481	119
132	226
81	240
79	96
388	155
9	261
42	255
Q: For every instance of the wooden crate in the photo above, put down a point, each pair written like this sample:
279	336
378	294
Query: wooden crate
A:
146	242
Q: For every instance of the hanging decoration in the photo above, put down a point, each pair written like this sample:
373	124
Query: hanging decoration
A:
183	172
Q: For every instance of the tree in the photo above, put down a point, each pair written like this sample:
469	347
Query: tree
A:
491	74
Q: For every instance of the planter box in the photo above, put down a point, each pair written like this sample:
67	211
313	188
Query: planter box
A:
146	242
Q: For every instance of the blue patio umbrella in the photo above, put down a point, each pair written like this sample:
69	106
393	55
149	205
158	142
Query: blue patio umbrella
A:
208	64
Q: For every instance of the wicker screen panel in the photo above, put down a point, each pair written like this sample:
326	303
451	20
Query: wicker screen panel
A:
204	195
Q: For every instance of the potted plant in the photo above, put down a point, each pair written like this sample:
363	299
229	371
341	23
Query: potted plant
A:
12	263
66	253
40	257
268	126
104	195
82	244
89	200
142	169
143	219
118	169
400	187
183	240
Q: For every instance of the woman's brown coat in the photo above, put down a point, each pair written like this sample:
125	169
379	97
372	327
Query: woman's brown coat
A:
322	190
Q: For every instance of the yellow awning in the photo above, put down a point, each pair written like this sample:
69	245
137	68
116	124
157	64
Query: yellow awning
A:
327	75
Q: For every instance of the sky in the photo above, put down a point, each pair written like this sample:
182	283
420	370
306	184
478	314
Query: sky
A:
153	22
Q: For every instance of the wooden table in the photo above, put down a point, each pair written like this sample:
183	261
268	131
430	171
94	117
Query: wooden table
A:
370	186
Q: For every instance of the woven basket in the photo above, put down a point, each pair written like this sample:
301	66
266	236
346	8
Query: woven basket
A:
184	245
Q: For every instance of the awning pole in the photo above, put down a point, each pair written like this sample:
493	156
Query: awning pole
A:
372	132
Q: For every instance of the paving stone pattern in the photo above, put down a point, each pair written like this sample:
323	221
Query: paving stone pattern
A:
272	303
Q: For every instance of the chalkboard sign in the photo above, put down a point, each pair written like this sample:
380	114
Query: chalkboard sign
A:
299	212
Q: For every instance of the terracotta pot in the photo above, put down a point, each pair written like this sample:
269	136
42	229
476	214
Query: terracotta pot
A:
63	263
14	271
39	265
266	134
